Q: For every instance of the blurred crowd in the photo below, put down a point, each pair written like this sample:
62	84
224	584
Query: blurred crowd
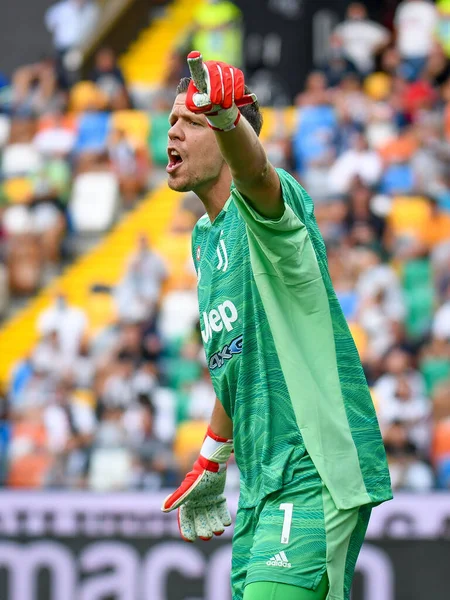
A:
128	407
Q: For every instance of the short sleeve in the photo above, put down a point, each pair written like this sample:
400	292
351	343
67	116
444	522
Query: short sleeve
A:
283	242
297	202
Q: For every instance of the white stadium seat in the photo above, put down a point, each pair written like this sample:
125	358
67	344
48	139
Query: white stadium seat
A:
110	469
5	126
20	159
94	203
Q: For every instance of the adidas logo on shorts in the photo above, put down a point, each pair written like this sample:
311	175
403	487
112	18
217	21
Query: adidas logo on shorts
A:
279	560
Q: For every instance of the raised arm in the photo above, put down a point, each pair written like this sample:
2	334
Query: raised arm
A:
218	90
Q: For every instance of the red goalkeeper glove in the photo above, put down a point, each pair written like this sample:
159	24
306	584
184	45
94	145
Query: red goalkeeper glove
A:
202	508
216	90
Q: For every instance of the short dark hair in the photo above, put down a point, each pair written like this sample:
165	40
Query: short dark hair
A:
251	111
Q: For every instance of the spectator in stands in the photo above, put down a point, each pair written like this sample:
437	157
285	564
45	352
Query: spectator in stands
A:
70	426
49	222
118	389
140	288
441	321
68	321
35	89
441	439
401	398
129	164
109	78
70	22
416	22
154	466
408	471
315	137
361	38
359	162
201	397
56	135
338	64
4	291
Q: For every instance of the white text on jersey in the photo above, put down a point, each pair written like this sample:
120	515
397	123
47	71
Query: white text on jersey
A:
216	319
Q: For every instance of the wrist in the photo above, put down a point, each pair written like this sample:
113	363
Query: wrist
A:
215	448
224	119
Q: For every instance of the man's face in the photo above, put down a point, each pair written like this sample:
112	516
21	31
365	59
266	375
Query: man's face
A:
194	156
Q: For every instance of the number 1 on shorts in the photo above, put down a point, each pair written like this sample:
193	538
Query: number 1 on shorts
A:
287	521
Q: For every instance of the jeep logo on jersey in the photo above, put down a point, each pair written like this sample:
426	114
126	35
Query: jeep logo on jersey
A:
217	319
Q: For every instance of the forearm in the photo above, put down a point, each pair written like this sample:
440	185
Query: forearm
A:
220	423
243	152
251	171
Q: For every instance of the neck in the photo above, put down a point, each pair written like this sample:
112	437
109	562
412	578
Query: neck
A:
214	194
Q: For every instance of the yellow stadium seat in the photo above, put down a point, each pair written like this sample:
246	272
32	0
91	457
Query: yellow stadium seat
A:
18	190
378	86
409	216
176	249
101	311
86	95
135	124
277	121
188	441
360	337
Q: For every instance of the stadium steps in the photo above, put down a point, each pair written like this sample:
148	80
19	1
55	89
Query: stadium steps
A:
145	62
103	265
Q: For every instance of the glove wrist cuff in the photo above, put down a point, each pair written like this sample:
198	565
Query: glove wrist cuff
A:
224	119
215	448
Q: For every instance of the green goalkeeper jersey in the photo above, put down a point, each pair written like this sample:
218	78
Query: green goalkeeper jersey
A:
282	360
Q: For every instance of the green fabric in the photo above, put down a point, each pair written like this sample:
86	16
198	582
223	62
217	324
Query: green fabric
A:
58	175
269	590
420	309
417	273
258	544
345	531
435	370
320	538
354	547
157	141
281	357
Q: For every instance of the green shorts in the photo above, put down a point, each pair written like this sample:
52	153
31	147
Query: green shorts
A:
297	534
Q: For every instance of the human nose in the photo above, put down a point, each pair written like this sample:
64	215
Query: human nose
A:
176	132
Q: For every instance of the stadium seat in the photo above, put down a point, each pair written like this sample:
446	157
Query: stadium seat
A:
93	129
85	95
409	215
135	124
5	127
101	309
278	121
188	441
20	159
94	203
17	220
18	190
110	469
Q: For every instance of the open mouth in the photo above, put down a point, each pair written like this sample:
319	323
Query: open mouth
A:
175	160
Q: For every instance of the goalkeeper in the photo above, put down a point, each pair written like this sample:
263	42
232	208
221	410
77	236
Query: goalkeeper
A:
292	397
